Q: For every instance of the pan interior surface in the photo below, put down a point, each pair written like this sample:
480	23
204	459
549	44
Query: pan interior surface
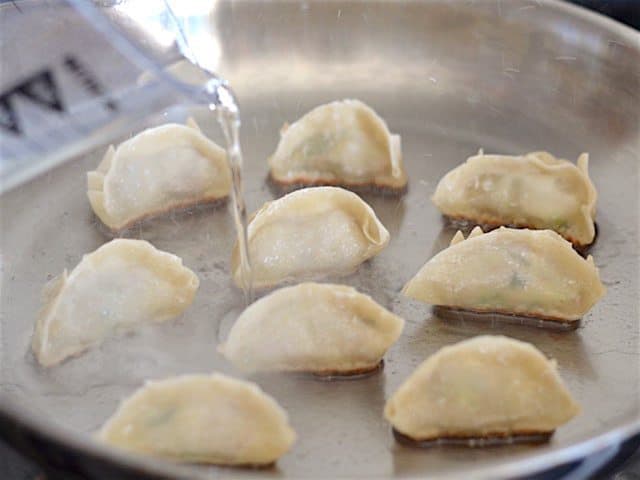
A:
450	78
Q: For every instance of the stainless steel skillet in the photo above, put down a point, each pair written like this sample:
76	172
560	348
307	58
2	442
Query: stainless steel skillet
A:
450	77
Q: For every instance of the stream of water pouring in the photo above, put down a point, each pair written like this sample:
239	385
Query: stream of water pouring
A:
224	103
229	119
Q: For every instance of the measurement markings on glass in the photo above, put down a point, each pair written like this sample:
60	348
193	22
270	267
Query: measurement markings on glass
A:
42	89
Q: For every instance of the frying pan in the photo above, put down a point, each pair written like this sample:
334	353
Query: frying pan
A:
450	77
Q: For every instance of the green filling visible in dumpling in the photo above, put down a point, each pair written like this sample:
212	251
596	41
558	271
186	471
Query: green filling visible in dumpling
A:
559	224
316	145
161	417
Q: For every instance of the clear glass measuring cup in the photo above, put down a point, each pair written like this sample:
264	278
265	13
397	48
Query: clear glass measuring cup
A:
76	74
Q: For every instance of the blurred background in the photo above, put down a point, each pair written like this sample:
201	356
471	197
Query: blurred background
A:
625	11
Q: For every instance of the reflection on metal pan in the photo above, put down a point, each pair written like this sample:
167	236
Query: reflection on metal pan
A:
450	78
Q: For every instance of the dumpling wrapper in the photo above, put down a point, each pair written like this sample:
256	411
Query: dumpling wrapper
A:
161	169
341	143
488	386
119	286
527	272
311	232
202	419
324	329
535	190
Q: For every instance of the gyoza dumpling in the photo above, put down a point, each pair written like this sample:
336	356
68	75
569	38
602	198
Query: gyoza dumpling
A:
341	143
202	419
310	232
536	190
311	327
482	388
161	169
115	288
526	272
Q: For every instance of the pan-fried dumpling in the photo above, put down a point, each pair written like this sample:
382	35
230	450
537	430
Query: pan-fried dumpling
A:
161	169
483	388
311	327
527	272
341	143
115	288
202	419
310	232
536	190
